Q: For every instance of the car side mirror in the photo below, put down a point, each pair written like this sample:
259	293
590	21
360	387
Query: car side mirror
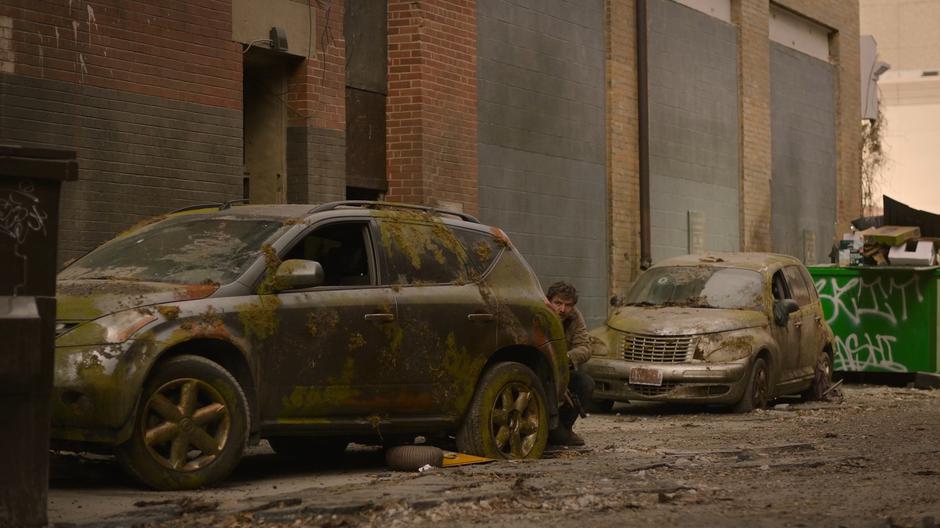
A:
298	274
782	310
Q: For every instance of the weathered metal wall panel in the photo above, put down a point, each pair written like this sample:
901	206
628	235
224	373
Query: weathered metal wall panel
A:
694	133
803	148
542	154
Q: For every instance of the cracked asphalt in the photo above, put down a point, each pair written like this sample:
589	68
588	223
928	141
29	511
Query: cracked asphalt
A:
872	460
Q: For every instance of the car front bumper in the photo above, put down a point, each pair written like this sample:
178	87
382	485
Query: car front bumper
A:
698	382
95	389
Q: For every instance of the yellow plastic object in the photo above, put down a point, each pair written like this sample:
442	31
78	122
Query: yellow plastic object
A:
462	459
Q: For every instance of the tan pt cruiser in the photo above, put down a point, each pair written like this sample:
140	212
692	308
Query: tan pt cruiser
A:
727	328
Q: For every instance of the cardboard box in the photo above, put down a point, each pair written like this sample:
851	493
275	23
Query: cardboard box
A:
891	235
919	253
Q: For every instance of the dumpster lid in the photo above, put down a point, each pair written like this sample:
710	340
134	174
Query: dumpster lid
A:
48	164
871	268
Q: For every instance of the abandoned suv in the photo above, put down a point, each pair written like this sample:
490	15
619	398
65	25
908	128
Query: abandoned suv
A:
182	341
735	329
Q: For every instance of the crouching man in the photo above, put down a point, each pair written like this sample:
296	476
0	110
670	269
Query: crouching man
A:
563	297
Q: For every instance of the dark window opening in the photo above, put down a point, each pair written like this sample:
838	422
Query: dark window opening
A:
365	29
361	193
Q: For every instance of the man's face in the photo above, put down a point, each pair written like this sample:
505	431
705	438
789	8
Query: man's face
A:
562	305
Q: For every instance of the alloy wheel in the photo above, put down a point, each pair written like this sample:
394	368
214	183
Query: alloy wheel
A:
185	424
515	420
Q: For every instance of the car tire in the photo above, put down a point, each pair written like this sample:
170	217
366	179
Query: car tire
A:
822	378
508	416
600	406
413	457
302	448
190	428
757	393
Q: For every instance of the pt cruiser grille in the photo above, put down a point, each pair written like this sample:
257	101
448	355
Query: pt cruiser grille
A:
657	349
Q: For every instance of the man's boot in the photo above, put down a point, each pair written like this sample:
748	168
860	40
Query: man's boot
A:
564	436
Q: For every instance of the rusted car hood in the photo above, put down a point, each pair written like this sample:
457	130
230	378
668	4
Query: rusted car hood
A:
84	300
682	320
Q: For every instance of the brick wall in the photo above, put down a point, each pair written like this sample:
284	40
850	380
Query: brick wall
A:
623	170
751	17
145	48
149	100
432	100
316	135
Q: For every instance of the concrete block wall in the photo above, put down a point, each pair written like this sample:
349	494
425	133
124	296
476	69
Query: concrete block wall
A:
151	102
803	119
542	146
694	128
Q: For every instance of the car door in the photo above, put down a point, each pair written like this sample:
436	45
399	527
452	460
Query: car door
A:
445	331
804	292
789	335
321	361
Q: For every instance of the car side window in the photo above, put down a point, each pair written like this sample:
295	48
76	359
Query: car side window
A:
797	285
415	254
810	284
342	251
482	249
778	286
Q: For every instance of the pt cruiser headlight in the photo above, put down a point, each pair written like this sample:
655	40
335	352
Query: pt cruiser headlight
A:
111	329
601	339
722	347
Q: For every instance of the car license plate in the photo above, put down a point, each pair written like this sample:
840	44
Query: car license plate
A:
646	376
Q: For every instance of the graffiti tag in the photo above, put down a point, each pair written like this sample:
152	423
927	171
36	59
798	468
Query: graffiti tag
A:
885	302
855	353
881	297
20	214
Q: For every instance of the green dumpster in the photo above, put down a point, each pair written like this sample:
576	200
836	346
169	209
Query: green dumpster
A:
884	318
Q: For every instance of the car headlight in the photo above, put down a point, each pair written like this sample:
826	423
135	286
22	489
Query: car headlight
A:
601	338
111	329
724	346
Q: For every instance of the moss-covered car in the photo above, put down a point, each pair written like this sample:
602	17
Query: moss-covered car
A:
182	341
736	329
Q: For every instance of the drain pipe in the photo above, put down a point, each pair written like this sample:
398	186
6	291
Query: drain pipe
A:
644	122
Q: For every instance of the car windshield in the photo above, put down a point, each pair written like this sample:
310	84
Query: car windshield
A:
186	249
699	287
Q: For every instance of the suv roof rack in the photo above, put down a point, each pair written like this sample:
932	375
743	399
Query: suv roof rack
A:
220	205
391	205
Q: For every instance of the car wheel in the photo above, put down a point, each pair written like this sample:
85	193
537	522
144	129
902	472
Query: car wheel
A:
190	428
822	378
508	417
600	406
757	392
306	448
